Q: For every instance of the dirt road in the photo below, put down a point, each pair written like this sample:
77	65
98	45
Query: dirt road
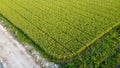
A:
12	53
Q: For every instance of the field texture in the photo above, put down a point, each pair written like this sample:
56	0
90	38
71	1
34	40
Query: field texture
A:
63	28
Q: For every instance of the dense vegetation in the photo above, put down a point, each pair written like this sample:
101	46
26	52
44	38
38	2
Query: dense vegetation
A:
62	28
105	53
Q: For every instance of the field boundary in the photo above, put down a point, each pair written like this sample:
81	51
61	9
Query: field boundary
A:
92	44
98	37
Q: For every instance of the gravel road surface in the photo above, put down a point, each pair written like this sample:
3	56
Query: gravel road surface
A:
12	53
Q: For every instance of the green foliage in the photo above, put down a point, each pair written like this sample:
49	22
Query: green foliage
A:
62	28
103	54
